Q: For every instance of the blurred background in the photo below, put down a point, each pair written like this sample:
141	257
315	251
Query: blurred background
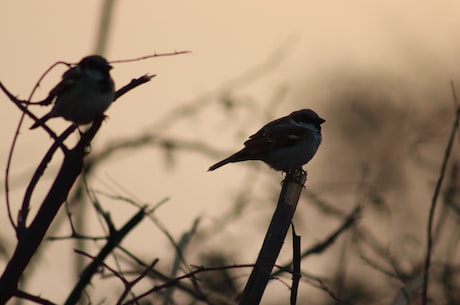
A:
380	73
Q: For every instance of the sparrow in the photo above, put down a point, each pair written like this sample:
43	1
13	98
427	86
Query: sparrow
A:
84	93
284	144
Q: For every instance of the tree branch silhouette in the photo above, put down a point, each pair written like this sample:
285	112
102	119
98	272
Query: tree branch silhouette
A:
29	238
436	193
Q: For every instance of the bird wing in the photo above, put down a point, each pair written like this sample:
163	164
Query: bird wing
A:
69	79
283	132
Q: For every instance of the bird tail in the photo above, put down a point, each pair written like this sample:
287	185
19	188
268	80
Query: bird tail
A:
220	163
236	157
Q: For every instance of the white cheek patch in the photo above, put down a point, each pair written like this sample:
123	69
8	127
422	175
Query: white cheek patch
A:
307	126
293	137
94	74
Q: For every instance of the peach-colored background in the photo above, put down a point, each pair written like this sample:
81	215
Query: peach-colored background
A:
415	44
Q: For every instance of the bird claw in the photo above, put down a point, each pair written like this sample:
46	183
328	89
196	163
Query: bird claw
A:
293	175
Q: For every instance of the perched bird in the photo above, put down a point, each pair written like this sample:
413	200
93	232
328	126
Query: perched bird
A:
84	93
284	144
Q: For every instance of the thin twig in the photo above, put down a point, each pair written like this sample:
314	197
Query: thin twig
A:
16	135
173	282
59	143
149	56
155	274
29	242
435	198
113	241
133	84
27	296
318	248
127	284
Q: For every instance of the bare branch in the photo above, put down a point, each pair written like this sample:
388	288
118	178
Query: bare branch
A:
149	56
173	282
29	239
113	241
26	296
348	222
434	200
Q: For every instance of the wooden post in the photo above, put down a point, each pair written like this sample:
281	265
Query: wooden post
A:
274	239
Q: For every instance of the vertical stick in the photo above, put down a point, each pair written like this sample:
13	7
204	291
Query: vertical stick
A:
274	239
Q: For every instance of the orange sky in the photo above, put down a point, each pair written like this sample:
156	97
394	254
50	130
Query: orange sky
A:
415	43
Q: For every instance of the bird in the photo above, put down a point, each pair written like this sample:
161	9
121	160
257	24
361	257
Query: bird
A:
84	93
284	144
